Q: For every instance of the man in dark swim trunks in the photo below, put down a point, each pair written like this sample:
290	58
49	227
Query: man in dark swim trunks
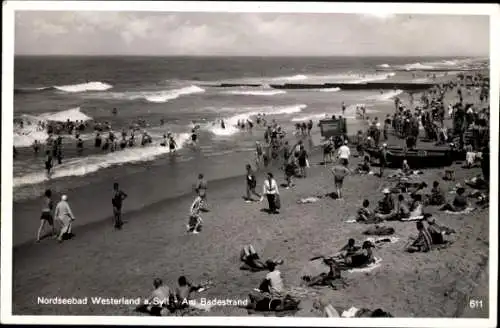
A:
47	216
117	201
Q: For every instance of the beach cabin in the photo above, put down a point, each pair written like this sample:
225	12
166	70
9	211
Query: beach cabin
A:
333	127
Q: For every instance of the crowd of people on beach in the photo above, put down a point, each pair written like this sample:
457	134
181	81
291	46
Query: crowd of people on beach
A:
406	200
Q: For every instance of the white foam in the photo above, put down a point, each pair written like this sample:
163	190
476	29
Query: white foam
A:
161	96
384	65
310	117
24	137
72	114
386	96
298	77
94	163
255	92
232	121
82	87
329	90
417	66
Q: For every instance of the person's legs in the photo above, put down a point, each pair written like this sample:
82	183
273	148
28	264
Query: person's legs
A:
270	200
117	217
42	224
255	192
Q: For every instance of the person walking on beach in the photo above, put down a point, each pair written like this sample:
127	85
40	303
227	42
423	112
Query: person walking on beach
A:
340	171
344	153
65	216
48	163
117	202
251	184
194	223
201	190
47	216
271	191
258	154
303	161
343	108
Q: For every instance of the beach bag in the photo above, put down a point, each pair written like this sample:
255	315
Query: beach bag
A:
277	201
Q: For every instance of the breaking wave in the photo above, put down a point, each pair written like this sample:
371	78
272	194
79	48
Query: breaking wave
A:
94	163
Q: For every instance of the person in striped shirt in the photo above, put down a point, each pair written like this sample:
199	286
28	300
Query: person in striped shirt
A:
423	242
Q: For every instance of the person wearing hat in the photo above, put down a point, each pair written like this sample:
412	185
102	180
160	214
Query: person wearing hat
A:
386	206
64	215
459	203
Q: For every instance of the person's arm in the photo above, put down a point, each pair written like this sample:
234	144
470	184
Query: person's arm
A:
70	213
276	187
123	195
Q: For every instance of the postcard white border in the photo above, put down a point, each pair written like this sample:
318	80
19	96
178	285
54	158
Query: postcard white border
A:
9	7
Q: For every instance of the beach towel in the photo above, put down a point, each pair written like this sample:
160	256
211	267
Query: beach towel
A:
413	218
351	313
468	210
378	241
351	221
307	200
367	268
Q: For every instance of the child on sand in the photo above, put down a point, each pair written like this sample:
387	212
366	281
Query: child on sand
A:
364	213
194	223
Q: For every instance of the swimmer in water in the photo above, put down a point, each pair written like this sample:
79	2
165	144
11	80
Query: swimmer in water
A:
36	147
172	145
194	136
222	124
164	142
79	146
115	111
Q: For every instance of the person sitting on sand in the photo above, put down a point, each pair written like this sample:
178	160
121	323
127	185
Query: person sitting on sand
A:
364	213
459	203
437	196
406	168
365	167
252	261
348	249
403	208
183	292
437	235
327	310
362	257
161	297
423	242
417	207
386	205
273	283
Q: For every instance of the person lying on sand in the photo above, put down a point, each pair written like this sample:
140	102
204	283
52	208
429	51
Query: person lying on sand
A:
252	261
161	297
423	241
459	203
325	279
349	249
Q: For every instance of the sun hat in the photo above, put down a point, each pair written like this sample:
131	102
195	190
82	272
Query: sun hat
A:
64	197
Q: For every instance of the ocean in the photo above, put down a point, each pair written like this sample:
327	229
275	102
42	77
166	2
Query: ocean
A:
181	91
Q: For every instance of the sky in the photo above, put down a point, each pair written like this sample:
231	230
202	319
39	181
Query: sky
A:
247	34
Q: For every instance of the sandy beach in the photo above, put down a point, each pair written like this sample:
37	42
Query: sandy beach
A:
153	243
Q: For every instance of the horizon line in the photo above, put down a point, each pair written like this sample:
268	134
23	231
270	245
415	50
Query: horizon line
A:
249	56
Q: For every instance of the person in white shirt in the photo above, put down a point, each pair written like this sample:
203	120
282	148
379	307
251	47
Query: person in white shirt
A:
344	152
64	215
271	190
274	281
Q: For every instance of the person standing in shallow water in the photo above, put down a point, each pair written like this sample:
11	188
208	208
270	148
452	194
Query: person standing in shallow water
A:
117	202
